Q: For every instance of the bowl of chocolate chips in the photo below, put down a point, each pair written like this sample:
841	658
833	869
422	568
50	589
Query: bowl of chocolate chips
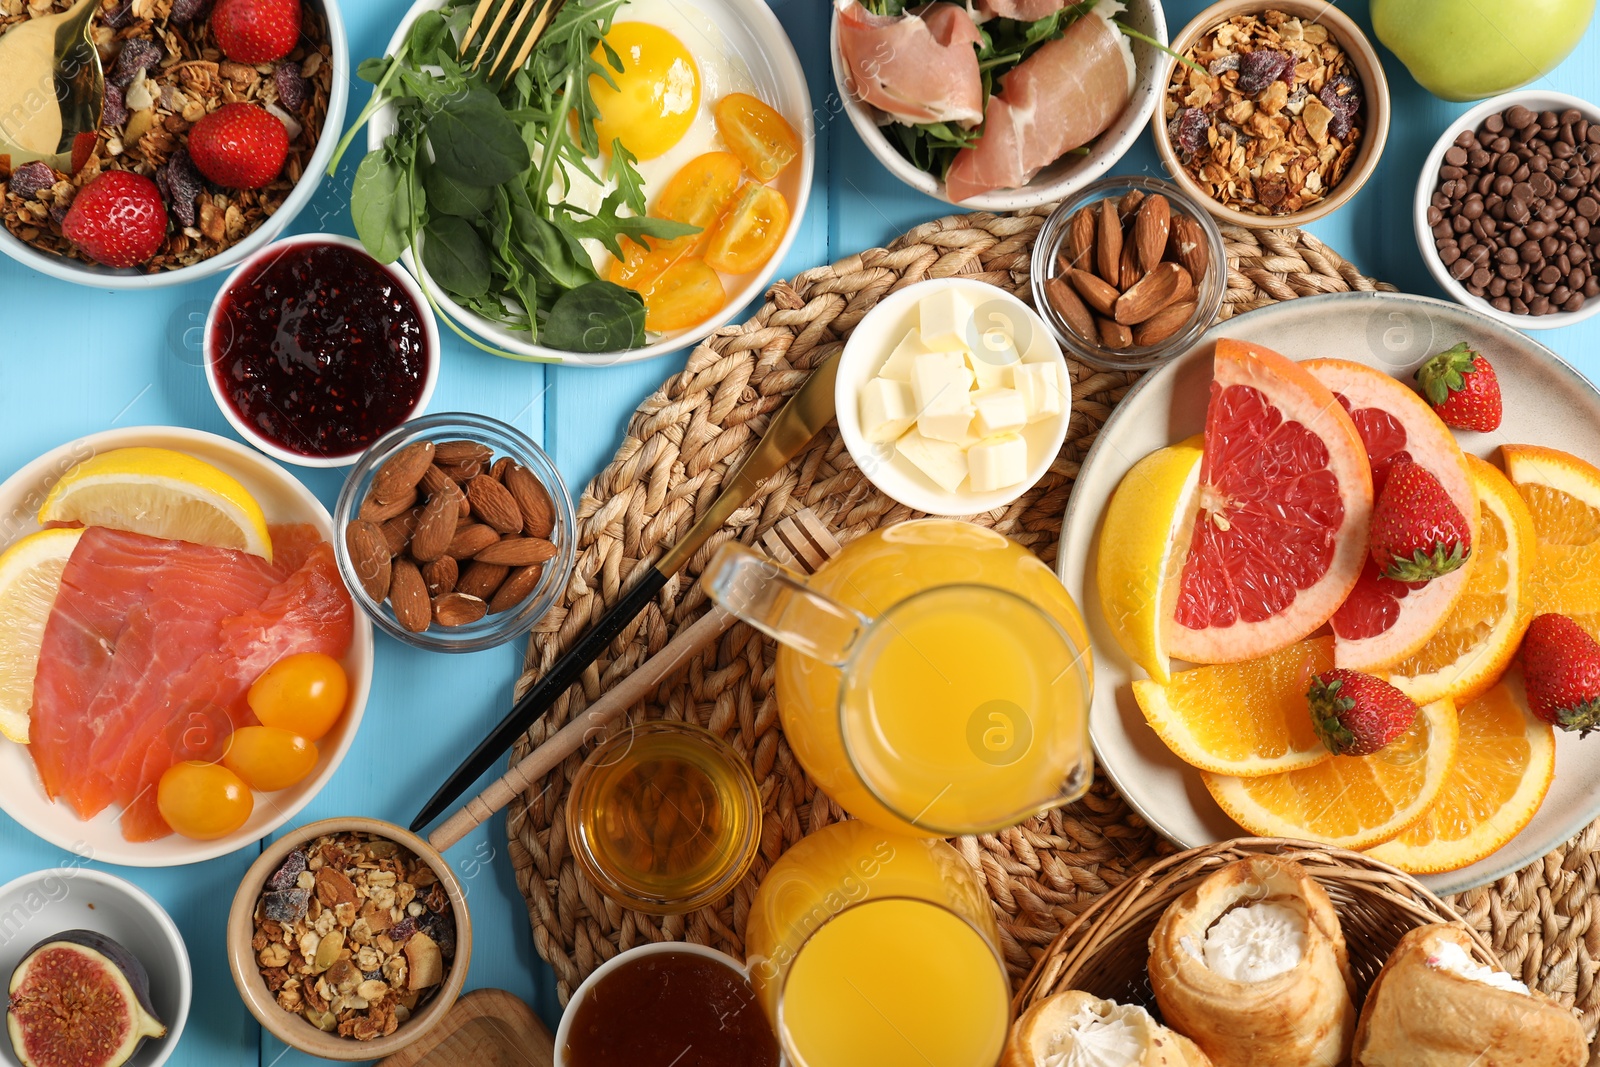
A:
1508	209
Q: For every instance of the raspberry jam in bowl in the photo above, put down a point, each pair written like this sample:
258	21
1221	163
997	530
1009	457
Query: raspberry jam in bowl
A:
314	350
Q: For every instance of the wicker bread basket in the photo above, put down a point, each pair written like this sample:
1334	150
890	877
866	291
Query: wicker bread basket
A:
1105	951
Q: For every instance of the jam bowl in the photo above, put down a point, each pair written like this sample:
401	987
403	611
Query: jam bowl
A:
314	350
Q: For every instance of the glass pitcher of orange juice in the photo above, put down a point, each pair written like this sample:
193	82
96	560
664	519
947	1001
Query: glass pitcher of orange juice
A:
933	678
869	948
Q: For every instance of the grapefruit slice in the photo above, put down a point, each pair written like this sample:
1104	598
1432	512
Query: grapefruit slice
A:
1384	621
1279	532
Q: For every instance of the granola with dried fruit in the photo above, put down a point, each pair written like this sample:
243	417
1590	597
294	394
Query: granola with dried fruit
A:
163	74
354	932
1274	123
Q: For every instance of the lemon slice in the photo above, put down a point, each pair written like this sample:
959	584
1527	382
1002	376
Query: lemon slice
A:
161	493
1142	537
30	574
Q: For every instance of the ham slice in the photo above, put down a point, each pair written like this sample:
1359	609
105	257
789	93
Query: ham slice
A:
1022	10
914	68
1064	95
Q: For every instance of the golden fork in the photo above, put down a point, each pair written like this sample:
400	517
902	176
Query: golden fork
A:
524	8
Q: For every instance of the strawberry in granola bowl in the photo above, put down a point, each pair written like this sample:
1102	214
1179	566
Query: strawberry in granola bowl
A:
211	138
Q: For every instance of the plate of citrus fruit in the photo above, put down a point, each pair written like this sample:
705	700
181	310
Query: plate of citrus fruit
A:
1341	565
181	666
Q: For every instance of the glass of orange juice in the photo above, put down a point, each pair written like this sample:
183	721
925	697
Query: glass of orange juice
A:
869	948
933	678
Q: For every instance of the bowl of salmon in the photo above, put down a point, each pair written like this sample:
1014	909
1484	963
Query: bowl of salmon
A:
181	667
950	98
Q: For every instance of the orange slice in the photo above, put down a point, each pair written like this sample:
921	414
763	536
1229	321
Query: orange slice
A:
1245	719
1505	760
1563	496
1279	532
1383	621
1471	650
1349	801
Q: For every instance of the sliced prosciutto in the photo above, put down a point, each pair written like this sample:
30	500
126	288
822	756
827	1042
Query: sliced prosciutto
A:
1061	97
915	68
1021	10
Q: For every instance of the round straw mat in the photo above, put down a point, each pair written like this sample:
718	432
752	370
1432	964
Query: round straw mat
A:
682	441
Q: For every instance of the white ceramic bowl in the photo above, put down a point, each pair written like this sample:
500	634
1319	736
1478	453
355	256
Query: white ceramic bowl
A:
870	344
758	39
283	499
430	331
1534	100
99	277
1060	178
38	906
682	948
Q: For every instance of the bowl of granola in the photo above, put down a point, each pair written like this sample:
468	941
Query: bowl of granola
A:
350	939
211	141
1282	116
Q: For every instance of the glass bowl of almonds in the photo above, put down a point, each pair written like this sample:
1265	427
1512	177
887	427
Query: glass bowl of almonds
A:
455	532
1129	272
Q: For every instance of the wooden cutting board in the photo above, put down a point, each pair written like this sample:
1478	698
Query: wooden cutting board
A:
485	1028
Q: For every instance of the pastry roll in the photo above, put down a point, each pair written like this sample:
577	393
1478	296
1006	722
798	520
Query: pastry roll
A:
1074	1029
1432	1006
1251	965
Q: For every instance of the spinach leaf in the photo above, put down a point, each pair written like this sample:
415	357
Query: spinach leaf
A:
456	256
450	197
380	205
598	317
475	142
372	71
429	39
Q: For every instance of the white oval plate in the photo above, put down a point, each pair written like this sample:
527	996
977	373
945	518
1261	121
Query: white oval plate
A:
758	39
284	500
1547	402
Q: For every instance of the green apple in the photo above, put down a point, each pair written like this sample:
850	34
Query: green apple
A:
1467	51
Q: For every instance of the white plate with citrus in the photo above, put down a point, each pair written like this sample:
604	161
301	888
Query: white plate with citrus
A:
1477	787
200	489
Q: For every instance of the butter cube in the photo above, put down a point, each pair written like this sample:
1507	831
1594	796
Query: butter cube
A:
898	366
1044	389
941	387
1000	411
946	320
997	462
886	410
995	354
941	461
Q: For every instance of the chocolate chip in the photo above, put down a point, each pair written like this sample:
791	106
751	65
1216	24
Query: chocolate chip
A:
1519	117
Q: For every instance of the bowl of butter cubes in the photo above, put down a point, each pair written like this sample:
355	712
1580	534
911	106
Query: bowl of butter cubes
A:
953	396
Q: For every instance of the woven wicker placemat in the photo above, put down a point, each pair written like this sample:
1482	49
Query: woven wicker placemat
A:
679	445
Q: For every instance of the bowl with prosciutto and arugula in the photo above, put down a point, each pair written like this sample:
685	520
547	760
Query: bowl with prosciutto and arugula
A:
999	104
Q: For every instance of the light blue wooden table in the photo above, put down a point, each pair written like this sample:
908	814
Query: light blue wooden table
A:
77	361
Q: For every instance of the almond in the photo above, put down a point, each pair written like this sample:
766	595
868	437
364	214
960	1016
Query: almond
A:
517	552
471	539
538	513
408	596
1187	244
1185	291
481	580
401	472
464	471
435	528
1108	248
498	471
518	586
1163	324
435	480
382	511
398	530
493	504
458	609
1155	291
1114	335
1098	294
1150	229
369	557
1128	206
1070	306
453	452
1131	271
1078	251
440	576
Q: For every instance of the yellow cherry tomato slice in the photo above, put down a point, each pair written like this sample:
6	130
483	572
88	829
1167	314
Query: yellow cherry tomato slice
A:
686	294
203	801
762	139
750	232
641	265
269	759
304	694
699	194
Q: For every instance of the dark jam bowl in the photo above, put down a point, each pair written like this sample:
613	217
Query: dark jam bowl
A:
314	350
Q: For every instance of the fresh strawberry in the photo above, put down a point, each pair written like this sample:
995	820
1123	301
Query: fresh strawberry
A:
1561	671
118	219
241	146
1462	389
1418	533
1356	714
256	31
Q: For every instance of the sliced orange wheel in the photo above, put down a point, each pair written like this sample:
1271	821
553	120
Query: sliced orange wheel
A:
1563	496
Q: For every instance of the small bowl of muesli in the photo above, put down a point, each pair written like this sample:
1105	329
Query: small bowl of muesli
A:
349	940
1279	115
220	117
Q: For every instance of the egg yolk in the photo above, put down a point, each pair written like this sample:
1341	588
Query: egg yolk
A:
657	92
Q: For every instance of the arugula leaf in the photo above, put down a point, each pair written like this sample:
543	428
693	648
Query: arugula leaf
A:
456	256
597	317
607	226
629	182
475	142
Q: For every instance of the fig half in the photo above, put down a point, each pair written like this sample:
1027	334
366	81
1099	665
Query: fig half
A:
79	999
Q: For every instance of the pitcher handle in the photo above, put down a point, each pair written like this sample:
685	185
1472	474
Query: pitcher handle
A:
777	601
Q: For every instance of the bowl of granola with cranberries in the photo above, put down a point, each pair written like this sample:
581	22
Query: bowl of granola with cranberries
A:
219	119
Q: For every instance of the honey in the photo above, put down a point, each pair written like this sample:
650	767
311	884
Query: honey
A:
664	817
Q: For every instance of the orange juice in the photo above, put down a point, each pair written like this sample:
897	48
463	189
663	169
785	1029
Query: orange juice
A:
872	949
